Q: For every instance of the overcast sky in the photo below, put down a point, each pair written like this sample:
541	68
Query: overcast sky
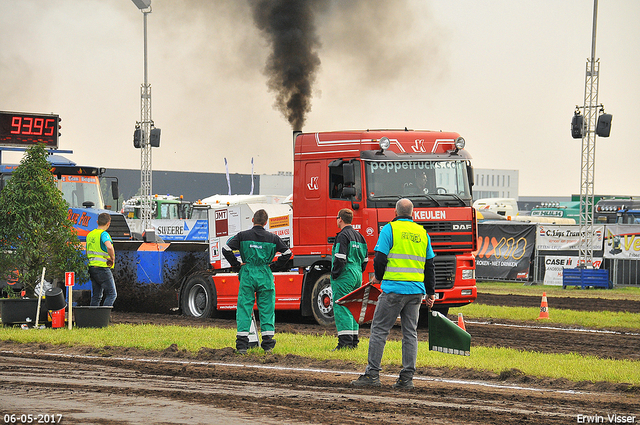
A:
505	74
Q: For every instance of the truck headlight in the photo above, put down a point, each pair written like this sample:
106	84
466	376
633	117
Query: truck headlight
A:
459	143
469	274
384	143
466	292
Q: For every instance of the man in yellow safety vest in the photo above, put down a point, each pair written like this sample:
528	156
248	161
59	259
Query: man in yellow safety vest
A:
403	265
101	257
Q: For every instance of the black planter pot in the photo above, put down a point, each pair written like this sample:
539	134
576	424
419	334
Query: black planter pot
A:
14	311
92	316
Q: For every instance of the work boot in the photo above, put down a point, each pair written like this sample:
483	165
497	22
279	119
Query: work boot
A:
268	343
242	344
355	342
367	381
344	341
403	383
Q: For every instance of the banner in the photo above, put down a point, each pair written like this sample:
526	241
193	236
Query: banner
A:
504	251
554	264
622	241
174	230
565	238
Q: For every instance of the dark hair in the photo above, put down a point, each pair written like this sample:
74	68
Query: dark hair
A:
346	215
103	219
260	217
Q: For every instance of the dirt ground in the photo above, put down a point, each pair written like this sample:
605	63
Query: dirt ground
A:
110	385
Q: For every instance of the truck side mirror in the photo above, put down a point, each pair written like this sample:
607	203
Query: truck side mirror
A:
115	193
348	192
349	173
470	174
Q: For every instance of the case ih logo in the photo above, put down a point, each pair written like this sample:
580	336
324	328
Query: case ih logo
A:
418	146
313	184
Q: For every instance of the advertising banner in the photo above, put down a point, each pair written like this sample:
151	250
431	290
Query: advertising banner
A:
554	264
565	238
504	251
181	230
622	241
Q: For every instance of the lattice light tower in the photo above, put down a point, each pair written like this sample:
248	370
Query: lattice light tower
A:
145	125
587	128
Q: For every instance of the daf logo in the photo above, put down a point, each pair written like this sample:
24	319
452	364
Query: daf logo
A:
461	227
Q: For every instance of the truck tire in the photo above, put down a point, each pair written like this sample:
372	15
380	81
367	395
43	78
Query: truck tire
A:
199	296
321	304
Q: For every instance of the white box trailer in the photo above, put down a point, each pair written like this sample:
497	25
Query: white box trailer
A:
227	220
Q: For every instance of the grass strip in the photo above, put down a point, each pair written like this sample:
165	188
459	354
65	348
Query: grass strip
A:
573	367
631	293
587	319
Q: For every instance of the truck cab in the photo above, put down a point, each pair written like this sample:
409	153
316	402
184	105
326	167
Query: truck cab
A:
80	187
617	210
369	171
164	207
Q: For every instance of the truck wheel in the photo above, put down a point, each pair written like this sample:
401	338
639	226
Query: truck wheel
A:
321	304
199	297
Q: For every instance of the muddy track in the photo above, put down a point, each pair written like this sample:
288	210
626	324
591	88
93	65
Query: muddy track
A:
116	385
125	387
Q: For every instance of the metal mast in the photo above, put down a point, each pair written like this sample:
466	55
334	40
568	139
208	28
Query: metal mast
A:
145	125
589	151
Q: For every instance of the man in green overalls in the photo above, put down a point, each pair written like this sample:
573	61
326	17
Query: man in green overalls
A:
257	249
348	262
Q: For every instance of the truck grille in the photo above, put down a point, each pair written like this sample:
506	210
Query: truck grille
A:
450	236
445	271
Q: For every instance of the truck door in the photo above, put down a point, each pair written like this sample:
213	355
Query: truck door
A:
312	211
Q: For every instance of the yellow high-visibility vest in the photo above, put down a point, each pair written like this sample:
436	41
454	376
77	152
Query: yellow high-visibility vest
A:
97	257
406	258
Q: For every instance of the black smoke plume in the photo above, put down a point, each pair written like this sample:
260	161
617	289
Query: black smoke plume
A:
289	27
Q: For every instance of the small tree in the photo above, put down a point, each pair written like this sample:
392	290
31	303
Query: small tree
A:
35	230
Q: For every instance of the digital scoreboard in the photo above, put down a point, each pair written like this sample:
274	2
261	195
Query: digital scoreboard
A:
23	129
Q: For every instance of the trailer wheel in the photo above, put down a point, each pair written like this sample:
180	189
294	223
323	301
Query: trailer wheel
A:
199	297
321	303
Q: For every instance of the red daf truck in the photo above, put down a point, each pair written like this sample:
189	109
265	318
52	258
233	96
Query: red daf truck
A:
367	171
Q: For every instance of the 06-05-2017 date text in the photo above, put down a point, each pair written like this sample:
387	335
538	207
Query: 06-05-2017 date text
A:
32	418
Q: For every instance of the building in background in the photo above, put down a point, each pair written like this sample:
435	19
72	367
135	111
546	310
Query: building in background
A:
493	183
276	184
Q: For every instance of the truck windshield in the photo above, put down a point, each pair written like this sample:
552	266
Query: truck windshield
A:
77	190
168	211
417	178
199	213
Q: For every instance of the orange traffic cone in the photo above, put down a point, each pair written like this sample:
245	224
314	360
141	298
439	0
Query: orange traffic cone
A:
544	309
461	322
